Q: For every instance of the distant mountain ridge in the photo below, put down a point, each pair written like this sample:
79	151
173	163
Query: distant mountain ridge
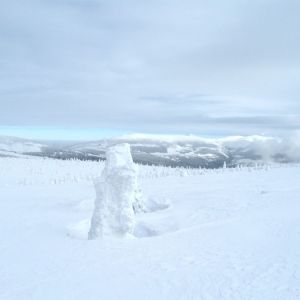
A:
14	146
188	151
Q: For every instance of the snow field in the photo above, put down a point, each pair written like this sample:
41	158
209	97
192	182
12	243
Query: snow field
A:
45	171
219	234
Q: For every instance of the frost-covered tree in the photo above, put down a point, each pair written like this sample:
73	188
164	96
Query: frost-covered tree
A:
117	195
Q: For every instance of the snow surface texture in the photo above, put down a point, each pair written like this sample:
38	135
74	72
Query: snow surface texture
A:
115	194
230	234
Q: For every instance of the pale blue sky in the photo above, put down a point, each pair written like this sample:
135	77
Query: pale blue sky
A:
59	133
162	66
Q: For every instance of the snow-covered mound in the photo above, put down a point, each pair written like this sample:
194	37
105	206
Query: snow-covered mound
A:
224	234
115	195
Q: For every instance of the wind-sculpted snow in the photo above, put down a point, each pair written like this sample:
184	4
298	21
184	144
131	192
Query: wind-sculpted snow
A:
115	195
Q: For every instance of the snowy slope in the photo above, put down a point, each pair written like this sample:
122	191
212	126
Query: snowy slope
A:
12	146
193	151
227	234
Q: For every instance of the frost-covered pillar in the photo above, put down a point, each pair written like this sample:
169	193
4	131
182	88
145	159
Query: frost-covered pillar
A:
115	195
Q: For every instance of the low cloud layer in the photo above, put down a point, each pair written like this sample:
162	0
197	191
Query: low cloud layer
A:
265	148
217	67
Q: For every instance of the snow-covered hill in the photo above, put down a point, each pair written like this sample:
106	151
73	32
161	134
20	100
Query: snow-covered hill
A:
193	151
12	146
225	234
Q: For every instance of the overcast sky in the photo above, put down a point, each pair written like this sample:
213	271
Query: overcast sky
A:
162	66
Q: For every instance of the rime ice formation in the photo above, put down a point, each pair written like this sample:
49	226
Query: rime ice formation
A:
117	195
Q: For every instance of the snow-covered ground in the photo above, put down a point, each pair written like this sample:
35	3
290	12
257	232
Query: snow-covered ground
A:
225	234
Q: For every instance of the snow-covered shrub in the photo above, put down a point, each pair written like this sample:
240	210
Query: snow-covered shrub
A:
116	195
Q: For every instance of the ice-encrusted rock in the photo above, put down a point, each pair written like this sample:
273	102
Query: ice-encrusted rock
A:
117	195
